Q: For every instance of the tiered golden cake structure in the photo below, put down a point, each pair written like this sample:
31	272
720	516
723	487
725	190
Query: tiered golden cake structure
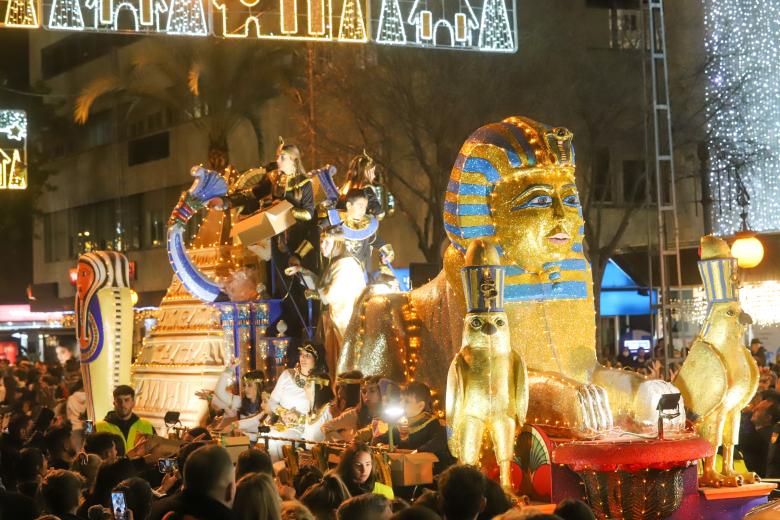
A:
186	351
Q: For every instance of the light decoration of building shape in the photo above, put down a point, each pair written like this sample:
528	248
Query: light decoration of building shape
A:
187	17
352	26
450	24
482	25
13	150
173	17
311	20
743	111
21	14
459	30
66	15
495	32
391	24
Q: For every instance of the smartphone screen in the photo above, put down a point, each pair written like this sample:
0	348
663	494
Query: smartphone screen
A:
119	505
166	465
89	427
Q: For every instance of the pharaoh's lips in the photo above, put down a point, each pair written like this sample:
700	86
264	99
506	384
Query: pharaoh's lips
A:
559	238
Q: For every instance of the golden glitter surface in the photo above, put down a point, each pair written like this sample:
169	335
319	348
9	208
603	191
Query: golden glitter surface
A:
513	185
720	377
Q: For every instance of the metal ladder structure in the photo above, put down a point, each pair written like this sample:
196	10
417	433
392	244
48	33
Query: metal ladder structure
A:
661	150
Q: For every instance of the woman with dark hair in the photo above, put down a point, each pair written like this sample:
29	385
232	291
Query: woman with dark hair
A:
248	404
327	406
108	476
347	391
323	499
345	426
362	175
356	469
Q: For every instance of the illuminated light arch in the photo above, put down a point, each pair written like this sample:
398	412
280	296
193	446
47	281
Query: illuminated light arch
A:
484	25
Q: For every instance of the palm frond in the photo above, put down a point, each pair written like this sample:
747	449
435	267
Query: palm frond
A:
193	77
95	89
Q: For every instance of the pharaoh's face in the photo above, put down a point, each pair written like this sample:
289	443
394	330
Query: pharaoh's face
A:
537	217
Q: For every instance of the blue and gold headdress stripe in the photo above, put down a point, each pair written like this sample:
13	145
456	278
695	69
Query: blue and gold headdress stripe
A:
720	279
490	153
483	287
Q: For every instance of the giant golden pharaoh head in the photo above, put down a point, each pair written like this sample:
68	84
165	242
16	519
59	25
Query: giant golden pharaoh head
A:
513	183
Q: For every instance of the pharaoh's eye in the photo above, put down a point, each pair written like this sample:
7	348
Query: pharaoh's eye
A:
539	201
500	322
730	313
476	323
572	200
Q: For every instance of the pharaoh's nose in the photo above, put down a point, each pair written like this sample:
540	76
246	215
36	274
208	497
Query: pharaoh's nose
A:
557	205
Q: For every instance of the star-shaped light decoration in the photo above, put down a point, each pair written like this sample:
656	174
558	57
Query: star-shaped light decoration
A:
16	131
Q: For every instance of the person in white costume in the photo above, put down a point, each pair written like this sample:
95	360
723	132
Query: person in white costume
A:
292	400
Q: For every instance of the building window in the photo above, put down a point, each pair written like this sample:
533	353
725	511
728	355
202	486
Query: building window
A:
99	130
634	182
147	149
625	29
77	49
602	178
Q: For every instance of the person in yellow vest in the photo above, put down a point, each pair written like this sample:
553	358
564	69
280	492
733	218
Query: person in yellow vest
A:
122	422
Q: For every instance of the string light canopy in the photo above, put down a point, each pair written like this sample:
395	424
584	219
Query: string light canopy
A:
743	112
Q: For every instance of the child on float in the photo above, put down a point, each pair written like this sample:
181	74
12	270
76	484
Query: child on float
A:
252	402
419	429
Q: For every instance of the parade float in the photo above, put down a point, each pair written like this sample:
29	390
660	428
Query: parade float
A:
512	312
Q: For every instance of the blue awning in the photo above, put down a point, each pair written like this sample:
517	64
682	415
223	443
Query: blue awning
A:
621	296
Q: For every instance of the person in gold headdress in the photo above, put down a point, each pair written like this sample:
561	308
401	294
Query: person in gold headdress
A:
514	184
362	175
286	180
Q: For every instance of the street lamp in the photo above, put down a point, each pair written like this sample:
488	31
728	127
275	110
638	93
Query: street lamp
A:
747	248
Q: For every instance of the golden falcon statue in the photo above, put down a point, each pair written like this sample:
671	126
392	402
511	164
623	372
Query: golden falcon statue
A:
513	183
487	387
719	376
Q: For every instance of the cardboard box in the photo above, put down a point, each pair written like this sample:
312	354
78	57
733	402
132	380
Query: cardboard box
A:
235	445
264	224
411	469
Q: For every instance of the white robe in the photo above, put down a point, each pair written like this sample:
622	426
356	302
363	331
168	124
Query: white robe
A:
290	396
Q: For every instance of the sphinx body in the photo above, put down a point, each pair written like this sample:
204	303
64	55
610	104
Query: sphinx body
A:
512	184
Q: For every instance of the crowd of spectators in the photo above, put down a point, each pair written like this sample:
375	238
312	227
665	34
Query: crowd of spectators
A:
57	465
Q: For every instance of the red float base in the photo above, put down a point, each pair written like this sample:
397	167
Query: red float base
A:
697	503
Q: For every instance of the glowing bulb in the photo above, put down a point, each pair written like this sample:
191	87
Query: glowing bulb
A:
133	296
747	249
